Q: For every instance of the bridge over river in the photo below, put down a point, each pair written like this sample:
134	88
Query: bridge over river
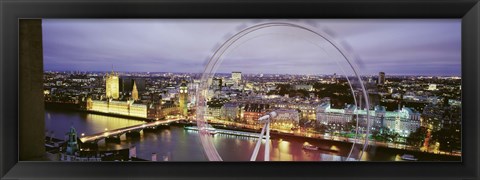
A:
116	133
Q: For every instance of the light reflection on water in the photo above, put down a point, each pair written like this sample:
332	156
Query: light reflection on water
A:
60	122
180	144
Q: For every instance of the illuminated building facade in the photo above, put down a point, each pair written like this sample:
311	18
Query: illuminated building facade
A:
237	77
112	89
215	108
213	112
89	103
217	84
403	121
231	111
252	112
307	110
183	98
303	87
126	108
286	119
168	109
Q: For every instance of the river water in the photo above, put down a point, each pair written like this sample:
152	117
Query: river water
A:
179	144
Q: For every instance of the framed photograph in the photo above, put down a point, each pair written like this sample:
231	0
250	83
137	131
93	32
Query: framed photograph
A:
240	89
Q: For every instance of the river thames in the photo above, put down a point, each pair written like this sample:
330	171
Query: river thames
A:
179	144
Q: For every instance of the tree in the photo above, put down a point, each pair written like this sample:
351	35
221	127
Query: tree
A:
321	128
303	121
376	134
394	136
351	125
417	138
384	134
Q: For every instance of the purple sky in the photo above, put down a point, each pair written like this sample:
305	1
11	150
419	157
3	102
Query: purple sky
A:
420	47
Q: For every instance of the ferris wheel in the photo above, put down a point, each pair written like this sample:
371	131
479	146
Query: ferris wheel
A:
321	37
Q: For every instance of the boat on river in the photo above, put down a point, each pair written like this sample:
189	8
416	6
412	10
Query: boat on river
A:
209	129
409	157
310	147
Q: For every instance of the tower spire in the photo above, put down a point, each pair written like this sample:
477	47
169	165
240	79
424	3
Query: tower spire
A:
134	91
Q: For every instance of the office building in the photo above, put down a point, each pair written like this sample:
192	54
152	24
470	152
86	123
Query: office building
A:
381	78
237	77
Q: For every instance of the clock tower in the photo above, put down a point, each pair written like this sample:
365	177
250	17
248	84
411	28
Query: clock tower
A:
183	98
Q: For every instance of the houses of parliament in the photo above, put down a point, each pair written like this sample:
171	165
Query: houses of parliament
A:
122	97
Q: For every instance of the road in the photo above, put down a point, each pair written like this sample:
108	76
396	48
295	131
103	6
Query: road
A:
120	131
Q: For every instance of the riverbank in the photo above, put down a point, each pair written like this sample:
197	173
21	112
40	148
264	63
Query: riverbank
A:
326	146
343	148
55	148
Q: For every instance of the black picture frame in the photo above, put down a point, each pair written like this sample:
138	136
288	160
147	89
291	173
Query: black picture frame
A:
12	11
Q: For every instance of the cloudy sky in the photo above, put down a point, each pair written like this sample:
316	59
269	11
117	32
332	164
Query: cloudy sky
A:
420	47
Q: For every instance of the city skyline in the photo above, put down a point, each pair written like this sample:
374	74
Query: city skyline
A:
322	110
396	47
132	73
